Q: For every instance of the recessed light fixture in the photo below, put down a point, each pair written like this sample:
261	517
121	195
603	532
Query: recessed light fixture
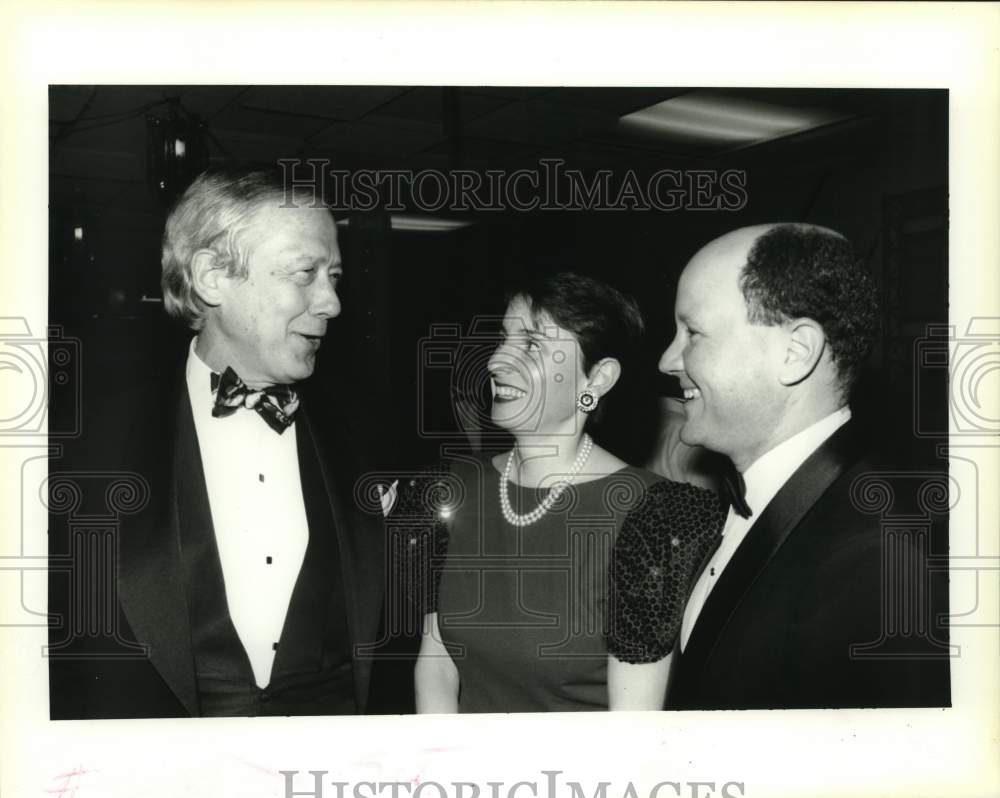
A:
716	118
419	224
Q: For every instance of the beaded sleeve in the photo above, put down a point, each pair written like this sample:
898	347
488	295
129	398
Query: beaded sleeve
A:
418	534
661	543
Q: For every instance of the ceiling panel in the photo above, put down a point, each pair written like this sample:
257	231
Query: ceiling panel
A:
257	147
378	139
614	102
333	102
477	152
118	101
127	136
507	92
536	122
239	118
426	104
65	102
206	101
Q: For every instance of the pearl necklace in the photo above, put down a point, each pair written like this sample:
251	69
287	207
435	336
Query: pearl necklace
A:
553	495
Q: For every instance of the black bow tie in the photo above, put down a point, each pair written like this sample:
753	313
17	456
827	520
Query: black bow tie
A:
736	492
275	404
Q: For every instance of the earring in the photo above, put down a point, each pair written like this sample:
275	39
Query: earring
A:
587	400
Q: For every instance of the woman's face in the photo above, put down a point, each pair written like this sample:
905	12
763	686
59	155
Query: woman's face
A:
536	374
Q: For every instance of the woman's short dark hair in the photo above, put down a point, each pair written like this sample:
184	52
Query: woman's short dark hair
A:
605	322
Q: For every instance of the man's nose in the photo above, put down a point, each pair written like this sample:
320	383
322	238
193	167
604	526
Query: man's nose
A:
671	361
325	302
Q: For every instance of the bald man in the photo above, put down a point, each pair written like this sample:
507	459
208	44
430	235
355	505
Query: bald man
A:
774	323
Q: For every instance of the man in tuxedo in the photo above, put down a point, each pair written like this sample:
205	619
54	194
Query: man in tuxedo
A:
246	581
794	608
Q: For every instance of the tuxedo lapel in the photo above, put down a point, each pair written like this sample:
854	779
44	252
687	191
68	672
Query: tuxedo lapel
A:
359	537
150	580
317	598
778	520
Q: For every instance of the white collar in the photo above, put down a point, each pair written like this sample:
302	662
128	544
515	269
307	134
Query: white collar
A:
199	377
770	471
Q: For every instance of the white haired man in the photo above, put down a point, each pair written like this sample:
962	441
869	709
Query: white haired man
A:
250	578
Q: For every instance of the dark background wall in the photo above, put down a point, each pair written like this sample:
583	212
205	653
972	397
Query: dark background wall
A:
877	171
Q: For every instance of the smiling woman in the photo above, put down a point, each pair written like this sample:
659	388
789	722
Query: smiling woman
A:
545	587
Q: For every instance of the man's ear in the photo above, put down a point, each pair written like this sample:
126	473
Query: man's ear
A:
806	343
603	375
207	276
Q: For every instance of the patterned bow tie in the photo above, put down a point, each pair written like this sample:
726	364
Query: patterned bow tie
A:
736	492
275	404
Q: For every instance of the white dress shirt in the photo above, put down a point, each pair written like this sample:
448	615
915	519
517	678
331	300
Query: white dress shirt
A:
764	479
259	515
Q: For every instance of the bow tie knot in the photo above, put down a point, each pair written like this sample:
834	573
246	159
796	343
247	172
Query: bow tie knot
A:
275	404
736	492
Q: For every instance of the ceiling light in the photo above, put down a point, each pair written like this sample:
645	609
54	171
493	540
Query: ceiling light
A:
724	120
422	224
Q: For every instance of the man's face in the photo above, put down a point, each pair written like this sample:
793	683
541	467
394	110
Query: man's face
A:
270	323
728	367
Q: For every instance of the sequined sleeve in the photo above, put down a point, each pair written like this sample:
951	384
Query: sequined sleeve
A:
661	543
419	536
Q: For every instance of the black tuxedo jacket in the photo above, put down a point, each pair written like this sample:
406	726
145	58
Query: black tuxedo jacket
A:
824	604
133	657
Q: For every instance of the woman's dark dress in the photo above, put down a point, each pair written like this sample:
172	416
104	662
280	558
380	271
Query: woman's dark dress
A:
529	614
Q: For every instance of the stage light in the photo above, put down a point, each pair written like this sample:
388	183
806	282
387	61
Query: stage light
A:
176	151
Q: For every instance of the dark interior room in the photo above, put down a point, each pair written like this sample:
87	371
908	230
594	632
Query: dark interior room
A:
870	163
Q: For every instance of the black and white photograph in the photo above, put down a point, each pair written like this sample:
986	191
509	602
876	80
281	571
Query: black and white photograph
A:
363	401
442	329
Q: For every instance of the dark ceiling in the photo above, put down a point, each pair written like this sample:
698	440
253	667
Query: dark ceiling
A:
98	133
872	152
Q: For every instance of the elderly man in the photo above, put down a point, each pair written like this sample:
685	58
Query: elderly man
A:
249	580
774	323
